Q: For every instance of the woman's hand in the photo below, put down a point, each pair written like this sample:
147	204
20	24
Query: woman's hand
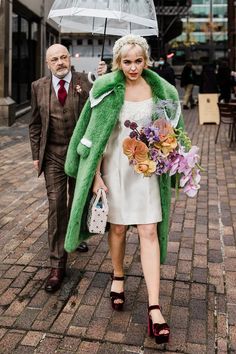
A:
98	184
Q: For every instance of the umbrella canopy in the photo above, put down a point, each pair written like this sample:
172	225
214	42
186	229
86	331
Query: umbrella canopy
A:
119	17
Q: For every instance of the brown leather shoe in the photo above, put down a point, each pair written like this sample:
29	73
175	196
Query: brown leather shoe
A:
54	280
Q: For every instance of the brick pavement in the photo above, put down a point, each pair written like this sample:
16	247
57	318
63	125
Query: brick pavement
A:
198	292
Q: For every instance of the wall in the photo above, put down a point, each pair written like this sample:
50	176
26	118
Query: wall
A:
40	8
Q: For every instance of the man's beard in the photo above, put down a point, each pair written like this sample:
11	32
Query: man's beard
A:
63	72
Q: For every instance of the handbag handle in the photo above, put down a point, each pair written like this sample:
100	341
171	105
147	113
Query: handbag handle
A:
101	194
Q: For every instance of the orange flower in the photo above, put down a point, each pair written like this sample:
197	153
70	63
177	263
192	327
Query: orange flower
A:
164	127
146	167
168	141
167	145
135	149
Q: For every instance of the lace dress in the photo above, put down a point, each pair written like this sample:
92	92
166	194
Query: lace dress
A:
132	198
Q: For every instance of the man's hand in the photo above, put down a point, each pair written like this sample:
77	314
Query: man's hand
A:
36	164
102	68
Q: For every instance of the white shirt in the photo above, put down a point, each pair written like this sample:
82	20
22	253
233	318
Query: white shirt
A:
56	80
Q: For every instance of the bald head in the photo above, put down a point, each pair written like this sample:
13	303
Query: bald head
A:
58	60
54	49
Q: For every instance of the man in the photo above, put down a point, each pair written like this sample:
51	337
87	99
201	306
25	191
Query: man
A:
187	81
56	103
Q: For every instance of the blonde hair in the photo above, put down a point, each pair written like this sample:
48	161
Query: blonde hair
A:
130	40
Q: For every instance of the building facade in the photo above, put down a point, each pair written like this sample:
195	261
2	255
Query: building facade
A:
197	30
205	33
25	33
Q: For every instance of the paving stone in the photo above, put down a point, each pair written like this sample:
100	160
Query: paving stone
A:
198	278
7	321
179	317
135	334
4	284
70	344
112	336
97	328
197	331
232	333
83	316
8	296
196	348
76	331
13	272
26	319
16	307
89	348
21	349
181	297
92	297
198	309
177	341
222	346
62	323
215	256
199	275
10	341
104	308
231	314
48	345
120	322
73	303
32	338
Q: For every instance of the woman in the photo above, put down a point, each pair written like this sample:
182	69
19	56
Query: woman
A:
96	159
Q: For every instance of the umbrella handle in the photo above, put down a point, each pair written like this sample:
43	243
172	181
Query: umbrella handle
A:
104	37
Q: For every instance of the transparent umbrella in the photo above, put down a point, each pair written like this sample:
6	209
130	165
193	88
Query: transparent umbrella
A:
113	17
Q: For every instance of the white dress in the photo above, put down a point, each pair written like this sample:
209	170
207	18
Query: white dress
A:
132	198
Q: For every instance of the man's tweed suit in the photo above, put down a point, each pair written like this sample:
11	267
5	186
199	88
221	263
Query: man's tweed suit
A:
51	127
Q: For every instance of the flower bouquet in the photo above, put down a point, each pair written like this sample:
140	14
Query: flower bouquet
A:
159	148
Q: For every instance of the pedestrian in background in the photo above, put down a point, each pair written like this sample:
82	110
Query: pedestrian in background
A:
187	81
56	102
224	81
208	79
130	93
164	69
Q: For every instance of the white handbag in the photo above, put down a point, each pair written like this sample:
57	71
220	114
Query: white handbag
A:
97	213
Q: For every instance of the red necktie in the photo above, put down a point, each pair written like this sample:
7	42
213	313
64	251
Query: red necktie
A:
62	94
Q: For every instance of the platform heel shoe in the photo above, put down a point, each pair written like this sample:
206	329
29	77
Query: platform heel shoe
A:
154	329
117	296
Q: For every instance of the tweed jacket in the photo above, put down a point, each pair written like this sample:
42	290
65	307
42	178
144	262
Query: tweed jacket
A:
89	139
40	111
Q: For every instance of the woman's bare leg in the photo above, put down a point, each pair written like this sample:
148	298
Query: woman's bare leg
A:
150	259
116	240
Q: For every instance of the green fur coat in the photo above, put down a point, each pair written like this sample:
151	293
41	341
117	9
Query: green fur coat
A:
94	127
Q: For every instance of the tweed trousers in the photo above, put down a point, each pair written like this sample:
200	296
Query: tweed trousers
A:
60	190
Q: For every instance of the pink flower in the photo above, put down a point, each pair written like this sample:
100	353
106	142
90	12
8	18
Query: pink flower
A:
190	182
157	149
192	156
175	165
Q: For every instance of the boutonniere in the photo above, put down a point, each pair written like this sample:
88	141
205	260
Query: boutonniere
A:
78	89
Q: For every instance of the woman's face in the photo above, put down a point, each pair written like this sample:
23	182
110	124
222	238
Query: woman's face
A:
132	62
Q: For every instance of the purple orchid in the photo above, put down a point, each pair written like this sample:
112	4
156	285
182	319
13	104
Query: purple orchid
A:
178	161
